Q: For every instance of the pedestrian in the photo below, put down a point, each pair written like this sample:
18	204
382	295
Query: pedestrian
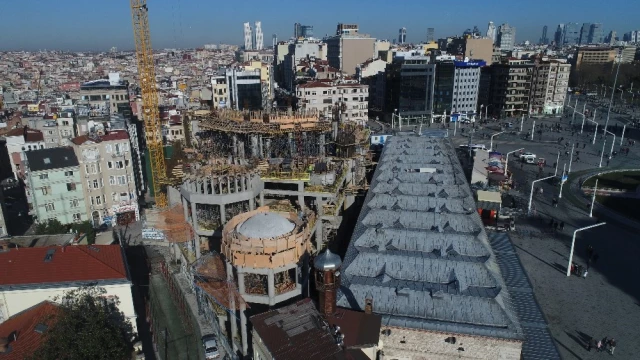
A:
608	162
604	343
577	158
521	165
585	273
599	345
595	257
577	145
591	344
561	225
612	345
583	145
589	251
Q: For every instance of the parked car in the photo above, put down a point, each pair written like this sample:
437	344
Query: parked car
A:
474	146
210	346
527	155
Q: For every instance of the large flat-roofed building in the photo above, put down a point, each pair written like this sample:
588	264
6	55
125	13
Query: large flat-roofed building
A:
594	55
419	250
550	81
104	96
349	48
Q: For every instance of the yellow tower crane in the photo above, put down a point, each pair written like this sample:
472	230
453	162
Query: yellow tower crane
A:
150	112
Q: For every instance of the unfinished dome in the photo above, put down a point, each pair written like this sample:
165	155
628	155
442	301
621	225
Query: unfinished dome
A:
266	225
266	239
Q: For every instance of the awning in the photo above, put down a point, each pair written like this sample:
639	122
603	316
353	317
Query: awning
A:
489	200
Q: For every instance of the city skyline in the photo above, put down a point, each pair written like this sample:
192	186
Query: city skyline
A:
180	24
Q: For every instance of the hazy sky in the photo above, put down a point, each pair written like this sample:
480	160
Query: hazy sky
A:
101	24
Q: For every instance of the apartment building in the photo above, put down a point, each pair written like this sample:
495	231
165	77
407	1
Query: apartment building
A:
349	48
510	87
104	96
66	127
300	50
456	87
409	86
107	169
550	81
323	96
219	90
244	89
19	141
48	127
54	189
594	55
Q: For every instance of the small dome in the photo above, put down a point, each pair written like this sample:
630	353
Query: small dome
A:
327	261
266	225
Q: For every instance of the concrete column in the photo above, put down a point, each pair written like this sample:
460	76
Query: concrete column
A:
301	197
319	234
268	149
222	214
241	287
252	204
232	310
261	146
319	203
271	288
255	148
243	329
196	240
234	139
261	199
194	216
241	153
292	148
185	205
321	143
305	141
228	184
213	191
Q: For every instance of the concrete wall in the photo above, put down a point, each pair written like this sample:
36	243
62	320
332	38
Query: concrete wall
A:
481	49
425	345
15	301
355	51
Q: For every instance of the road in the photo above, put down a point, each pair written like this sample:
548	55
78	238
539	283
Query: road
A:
607	302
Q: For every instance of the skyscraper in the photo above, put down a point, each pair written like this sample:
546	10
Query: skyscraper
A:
247	36
430	36
491	31
402	35
572	34
297	30
611	39
584	34
543	39
559	35
596	34
506	37
259	37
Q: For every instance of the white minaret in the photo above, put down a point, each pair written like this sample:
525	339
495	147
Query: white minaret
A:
258	44
247	36
491	31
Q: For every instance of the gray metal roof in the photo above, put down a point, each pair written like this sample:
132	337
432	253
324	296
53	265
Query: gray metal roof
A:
327	261
420	249
53	158
266	225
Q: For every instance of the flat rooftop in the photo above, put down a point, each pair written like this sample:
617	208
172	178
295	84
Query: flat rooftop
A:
420	250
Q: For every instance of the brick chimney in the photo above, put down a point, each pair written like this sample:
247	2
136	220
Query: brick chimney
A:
368	304
327	266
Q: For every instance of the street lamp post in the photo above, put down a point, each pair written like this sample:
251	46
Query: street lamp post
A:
521	122
593	198
612	143
562	180
571	157
615	81
622	137
506	166
491	144
557	163
573	243
602	152
531	194
533	129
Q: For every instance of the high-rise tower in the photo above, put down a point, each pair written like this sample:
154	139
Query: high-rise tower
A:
247	36
258	43
402	35
543	39
491	31
430	36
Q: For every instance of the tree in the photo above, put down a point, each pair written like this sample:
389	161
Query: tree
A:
51	227
85	227
89	326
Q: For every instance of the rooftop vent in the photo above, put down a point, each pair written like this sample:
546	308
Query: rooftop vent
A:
47	161
41	328
49	256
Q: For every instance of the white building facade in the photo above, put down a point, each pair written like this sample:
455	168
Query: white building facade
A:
550	81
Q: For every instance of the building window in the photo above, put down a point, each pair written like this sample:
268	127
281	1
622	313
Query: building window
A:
49	207
76	217
126	163
68	173
44	176
122	180
46	190
74	203
112	180
110	165
98	200
71	186
96	185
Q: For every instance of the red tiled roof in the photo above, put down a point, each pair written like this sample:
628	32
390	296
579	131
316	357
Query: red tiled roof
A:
314	84
16	132
71	263
23	324
111	136
33	136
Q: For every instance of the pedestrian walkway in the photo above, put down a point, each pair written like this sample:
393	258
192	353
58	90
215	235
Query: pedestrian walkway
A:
538	344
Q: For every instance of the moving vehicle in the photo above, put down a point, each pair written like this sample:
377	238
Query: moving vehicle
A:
474	146
210	345
527	155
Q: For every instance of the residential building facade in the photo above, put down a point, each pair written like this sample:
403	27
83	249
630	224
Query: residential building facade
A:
323	97
54	189
457	87
594	55
244	89
550	81
107	170
19	141
410	85
349	48
510	87
103	97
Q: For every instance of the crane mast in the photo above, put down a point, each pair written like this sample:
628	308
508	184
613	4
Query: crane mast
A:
150	112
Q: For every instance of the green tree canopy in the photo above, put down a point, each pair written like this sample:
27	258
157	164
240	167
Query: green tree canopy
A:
90	326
